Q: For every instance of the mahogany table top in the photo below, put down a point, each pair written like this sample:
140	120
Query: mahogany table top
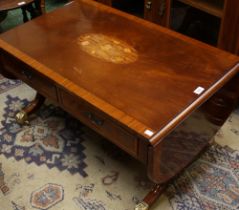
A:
140	74
13	4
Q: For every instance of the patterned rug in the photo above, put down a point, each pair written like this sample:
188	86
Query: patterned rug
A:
57	163
6	84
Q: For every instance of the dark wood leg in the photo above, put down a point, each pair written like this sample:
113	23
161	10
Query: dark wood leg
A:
33	12
40	6
221	105
151	197
24	14
22	116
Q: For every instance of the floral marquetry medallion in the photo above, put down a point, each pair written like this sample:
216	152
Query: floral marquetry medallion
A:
107	48
53	138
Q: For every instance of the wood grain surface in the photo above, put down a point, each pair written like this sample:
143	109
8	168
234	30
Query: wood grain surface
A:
155	93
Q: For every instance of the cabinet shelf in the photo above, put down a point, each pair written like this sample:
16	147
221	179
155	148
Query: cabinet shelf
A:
224	16
213	7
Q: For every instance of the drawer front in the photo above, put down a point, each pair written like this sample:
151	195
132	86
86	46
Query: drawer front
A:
29	76
95	120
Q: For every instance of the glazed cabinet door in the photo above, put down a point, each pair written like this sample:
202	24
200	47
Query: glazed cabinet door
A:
157	11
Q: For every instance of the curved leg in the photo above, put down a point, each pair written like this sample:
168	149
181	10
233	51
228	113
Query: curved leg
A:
22	116
151	197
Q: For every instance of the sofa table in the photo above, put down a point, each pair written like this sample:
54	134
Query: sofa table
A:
156	94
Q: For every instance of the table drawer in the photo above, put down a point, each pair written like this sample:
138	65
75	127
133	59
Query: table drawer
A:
98	122
29	76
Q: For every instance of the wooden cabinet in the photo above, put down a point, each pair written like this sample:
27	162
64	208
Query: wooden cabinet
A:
225	11
229	34
153	10
213	7
157	11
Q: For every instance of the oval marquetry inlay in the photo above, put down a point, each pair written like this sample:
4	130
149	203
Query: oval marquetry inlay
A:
107	48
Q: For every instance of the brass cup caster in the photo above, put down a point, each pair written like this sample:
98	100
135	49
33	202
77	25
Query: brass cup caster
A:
142	206
22	118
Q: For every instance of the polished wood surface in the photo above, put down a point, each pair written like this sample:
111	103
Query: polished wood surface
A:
53	42
13	4
130	80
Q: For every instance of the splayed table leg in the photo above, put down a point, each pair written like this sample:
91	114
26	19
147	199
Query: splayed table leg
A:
22	116
151	197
